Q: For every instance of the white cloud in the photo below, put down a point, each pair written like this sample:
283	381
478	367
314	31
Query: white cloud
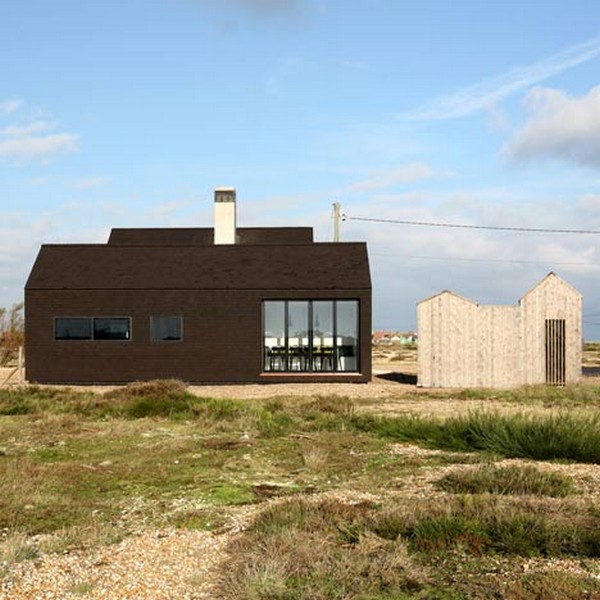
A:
10	106
409	262
559	127
20	238
34	138
34	147
486	93
27	130
90	182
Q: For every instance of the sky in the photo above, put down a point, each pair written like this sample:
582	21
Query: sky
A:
129	114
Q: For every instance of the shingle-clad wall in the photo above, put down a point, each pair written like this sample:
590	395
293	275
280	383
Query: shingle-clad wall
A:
221	337
218	292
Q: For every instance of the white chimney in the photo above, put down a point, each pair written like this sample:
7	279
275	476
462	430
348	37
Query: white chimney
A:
225	221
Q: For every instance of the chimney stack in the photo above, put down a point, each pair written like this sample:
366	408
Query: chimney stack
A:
225	218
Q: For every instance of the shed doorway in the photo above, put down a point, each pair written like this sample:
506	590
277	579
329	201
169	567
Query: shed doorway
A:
555	351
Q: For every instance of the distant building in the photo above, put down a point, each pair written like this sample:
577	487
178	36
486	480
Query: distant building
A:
537	341
222	305
393	337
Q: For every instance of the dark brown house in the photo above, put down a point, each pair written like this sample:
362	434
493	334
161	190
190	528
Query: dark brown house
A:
222	305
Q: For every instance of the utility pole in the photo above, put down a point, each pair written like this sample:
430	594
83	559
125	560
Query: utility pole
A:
336	221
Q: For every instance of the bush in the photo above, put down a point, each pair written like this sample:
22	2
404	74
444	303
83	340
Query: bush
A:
157	398
12	332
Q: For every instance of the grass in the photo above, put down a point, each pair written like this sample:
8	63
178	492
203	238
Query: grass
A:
15	548
79	470
566	436
332	549
488	478
528	396
484	524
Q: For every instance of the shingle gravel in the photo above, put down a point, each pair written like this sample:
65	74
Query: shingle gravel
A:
156	565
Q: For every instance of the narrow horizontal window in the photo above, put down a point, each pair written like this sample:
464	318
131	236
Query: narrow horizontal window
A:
112	328
165	329
72	328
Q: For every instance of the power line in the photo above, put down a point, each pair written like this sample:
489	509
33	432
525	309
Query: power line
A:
486	260
463	226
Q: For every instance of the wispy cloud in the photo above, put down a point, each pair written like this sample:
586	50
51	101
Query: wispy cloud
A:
27	130
10	106
32	147
90	182
388	178
484	94
32	140
277	79
255	11
265	7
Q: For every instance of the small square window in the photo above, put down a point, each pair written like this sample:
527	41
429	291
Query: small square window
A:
165	329
112	328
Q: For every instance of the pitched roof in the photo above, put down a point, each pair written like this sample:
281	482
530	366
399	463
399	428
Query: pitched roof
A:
551	278
327	266
445	293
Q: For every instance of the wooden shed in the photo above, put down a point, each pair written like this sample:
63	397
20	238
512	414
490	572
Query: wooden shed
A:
537	341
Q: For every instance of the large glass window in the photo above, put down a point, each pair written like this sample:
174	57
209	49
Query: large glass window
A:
310	335
165	329
72	328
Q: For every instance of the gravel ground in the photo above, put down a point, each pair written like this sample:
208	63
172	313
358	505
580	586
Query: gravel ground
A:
170	564
182	565
156	565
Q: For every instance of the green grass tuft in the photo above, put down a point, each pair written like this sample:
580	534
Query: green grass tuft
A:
512	479
540	437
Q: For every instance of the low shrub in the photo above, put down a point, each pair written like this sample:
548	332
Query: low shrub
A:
158	398
318	550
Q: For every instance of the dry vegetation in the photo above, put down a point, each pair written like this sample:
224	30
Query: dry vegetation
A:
365	492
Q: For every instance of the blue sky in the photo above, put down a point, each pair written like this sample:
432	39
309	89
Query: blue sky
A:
129	114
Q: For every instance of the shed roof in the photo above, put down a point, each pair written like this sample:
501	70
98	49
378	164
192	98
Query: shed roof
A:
327	266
